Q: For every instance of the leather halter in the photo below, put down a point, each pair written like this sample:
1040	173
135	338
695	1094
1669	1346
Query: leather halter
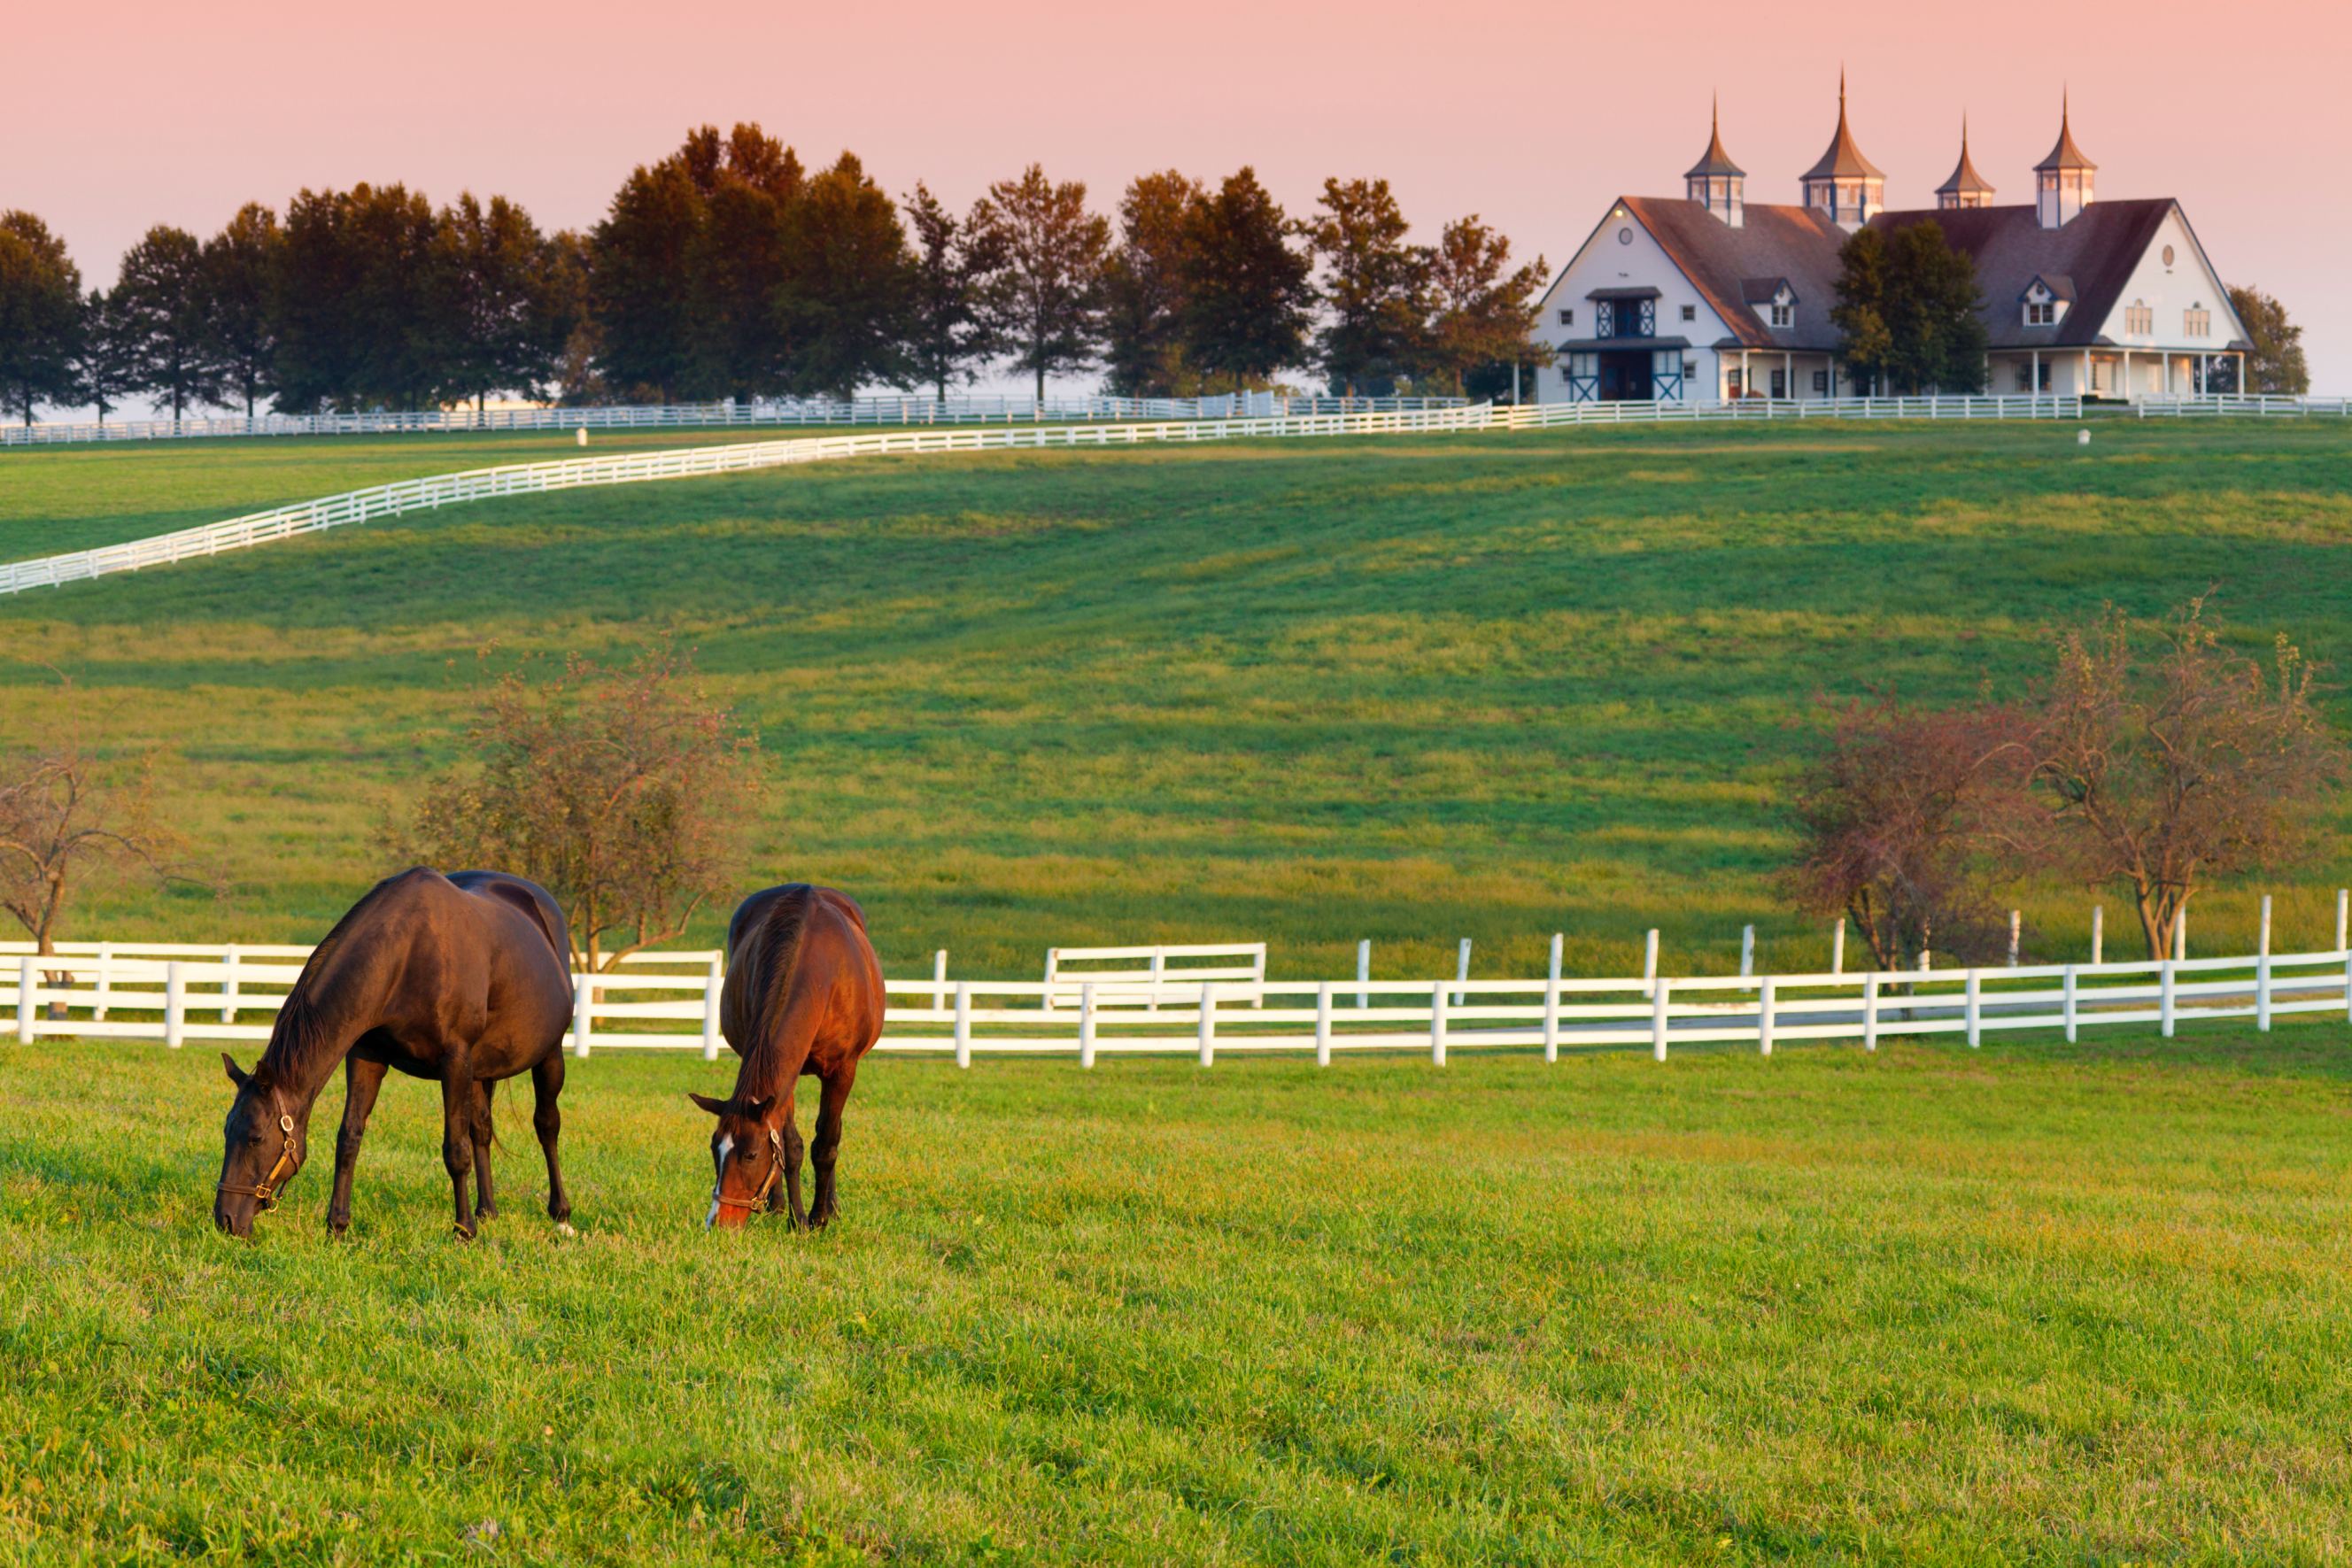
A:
759	1199
267	1188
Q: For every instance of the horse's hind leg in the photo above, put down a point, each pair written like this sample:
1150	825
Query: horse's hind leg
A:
458	1093
827	1148
362	1079
547	1086
486	1205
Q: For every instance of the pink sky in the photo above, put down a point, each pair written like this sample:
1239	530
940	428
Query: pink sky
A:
1533	115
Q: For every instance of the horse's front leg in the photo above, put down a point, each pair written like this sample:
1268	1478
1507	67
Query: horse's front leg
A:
486	1206
459	1092
790	1191
827	1148
361	1080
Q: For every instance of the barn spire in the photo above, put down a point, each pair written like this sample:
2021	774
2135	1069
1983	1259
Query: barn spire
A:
1843	186
1714	181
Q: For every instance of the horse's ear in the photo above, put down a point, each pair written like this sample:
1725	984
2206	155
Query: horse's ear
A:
236	1075
716	1107
757	1110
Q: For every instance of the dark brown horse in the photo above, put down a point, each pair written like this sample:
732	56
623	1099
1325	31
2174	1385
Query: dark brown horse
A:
464	979
803	997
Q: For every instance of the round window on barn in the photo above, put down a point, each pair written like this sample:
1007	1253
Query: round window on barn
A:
1624	236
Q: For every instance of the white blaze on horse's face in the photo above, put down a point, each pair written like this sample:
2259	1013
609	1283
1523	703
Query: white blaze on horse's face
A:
725	1147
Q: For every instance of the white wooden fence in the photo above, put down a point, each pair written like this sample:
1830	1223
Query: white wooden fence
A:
963	410
1147	972
634	467
670	1000
2246	405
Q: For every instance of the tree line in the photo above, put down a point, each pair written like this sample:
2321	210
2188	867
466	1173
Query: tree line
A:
729	269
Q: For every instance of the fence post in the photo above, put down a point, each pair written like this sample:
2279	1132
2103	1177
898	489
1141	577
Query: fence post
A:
229	985
175	1003
2098	933
1975	1005
2164	1002
2262	972
1658	992
1461	970
1551	1000
1208	1022
1746	951
1650	960
1158	968
1837	948
714	985
963	1023
1052	963
1870	1011
2347	987
106	978
1258	996
584	1004
1765	999
2069	987
1087	1024
2016	923
1364	973
25	1001
2343	918
939	981
1437	1024
1323	1024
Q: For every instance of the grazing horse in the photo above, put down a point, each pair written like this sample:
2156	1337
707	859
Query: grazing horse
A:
464	979
803	997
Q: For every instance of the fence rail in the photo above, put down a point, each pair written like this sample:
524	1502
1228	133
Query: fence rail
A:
2244	405
704	415
635	467
670	1000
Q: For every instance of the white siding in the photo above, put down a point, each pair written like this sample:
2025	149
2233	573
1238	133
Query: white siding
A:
1605	262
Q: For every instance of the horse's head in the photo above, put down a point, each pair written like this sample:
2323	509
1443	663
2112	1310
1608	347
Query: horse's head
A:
747	1152
262	1146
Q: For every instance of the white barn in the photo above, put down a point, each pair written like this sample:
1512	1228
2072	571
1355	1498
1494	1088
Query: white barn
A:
1712	296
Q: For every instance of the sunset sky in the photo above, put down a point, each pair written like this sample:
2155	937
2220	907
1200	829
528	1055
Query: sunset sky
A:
1531	115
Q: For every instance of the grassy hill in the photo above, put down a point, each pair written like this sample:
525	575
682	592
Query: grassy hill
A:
1411	689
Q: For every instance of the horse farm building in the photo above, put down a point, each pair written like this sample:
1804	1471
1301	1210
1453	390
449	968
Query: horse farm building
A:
1713	296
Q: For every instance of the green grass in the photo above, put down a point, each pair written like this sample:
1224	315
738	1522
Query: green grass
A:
2033	1304
1408	689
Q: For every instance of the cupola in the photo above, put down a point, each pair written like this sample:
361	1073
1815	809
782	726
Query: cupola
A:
1714	181
2066	182
1966	188
1845	187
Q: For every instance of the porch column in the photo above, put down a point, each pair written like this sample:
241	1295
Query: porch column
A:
2086	373
1746	385
1789	373
2245	387
2034	387
2130	395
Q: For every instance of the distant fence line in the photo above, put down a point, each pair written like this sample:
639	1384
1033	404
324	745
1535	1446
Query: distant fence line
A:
631	467
2244	405
670	1000
730	413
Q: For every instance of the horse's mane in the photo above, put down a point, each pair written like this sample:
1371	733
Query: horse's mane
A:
305	1026
782	927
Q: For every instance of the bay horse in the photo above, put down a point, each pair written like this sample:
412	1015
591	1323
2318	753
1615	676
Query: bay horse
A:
463	979
803	999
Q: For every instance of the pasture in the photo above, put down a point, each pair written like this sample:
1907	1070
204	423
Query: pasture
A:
1411	689
2032	1303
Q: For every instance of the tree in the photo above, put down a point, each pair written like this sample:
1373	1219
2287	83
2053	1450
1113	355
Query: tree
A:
738	264
2168	772
848	306
2275	361
1484	315
40	316
627	793
1043	295
1375	284
1144	287
240	265
1907	823
1866	346
1246	294
162	308
506	311
63	821
364	303
105	365
637	272
946	338
1907	308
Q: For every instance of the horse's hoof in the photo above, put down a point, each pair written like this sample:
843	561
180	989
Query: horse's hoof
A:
462	1233
485	1211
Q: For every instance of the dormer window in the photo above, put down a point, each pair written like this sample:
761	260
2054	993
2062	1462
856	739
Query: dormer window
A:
2041	313
1772	299
2043	304
1784	315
